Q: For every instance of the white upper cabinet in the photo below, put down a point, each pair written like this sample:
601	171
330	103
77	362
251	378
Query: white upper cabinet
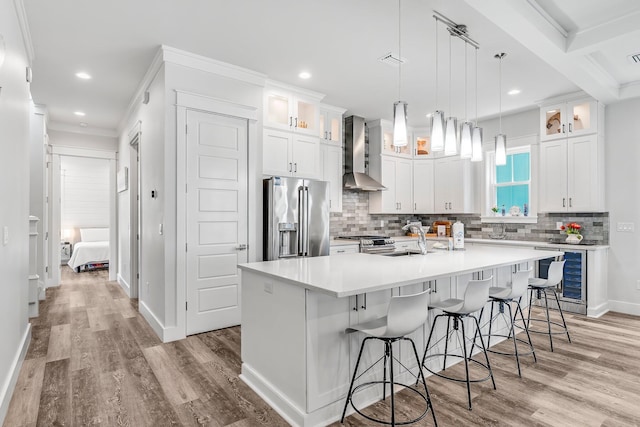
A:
292	111
422	144
571	175
423	187
331	158
330	124
290	154
567	119
452	185
395	174
381	140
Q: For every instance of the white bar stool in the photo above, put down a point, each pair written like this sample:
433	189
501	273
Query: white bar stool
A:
405	314
542	286
475	298
505	296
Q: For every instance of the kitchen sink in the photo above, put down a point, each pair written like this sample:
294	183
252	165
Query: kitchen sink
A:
403	253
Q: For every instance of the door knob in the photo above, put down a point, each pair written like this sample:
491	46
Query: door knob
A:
241	247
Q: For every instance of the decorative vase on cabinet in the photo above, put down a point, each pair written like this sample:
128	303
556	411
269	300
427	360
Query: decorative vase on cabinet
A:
574	239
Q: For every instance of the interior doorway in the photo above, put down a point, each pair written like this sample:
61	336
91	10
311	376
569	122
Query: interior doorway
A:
135	209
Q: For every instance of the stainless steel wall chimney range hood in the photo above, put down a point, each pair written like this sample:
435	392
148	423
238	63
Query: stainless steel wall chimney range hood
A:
355	177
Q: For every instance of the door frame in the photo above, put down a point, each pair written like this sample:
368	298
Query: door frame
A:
186	101
56	214
135	135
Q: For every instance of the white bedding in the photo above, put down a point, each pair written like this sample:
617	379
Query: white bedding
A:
86	252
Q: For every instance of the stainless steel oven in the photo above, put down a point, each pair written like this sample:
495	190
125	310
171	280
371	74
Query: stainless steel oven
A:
373	244
572	290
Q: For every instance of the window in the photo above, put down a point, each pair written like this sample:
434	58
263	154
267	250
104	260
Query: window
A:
511	183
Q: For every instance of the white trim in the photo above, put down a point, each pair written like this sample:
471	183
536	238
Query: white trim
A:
124	285
624	307
82	152
10	384
195	101
273	84
603	309
203	63
534	4
24	29
89	130
509	219
166	334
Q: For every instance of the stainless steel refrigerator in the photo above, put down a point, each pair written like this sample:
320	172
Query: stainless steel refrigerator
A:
296	218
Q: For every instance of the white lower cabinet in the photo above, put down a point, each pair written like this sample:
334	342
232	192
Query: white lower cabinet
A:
344	249
290	154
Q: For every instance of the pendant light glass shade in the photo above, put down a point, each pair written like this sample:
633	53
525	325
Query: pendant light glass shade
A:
465	140
501	149
437	131
451	136
476	144
400	124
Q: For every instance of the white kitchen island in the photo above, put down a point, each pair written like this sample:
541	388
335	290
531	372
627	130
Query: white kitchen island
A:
295	352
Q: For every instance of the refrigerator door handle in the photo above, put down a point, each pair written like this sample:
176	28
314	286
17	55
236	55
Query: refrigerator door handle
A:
305	236
303	221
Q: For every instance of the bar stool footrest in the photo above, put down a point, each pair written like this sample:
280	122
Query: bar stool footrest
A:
376	420
545	332
460	380
512	353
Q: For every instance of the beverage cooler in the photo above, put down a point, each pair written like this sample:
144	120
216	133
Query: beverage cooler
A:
572	290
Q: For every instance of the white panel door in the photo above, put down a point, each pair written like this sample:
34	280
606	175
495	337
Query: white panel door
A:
216	219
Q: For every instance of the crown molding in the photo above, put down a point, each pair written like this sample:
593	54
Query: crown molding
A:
24	28
66	127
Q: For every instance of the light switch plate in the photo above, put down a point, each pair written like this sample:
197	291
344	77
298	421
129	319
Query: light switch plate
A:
625	227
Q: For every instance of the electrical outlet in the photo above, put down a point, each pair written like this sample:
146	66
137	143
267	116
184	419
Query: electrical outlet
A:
382	223
559	225
625	227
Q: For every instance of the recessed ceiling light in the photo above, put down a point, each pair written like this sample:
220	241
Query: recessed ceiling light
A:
513	92
82	75
79	113
83	125
304	75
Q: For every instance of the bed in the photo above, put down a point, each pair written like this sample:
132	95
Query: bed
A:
92	251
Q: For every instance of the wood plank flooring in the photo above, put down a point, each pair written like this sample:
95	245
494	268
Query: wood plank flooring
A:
93	360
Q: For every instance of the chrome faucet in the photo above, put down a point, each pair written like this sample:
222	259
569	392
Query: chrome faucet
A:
422	239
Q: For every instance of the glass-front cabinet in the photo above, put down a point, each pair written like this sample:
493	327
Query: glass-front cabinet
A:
381	140
291	111
422	144
330	124
567	119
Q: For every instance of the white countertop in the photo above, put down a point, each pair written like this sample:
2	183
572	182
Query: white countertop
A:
353	274
523	243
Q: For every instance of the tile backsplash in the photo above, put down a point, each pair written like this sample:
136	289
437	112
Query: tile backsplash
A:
355	219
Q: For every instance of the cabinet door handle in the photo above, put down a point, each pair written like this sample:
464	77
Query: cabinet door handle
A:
330	136
355	308
570	202
445	206
290	121
400	206
340	251
295	167
415	206
290	167
564	205
364	306
325	134
570	128
296	122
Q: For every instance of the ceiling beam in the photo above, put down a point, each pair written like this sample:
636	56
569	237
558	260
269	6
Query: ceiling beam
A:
594	38
529	27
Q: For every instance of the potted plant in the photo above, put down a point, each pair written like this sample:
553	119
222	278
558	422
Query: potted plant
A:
495	210
573	232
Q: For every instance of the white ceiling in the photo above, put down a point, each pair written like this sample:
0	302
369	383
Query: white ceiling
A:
551	50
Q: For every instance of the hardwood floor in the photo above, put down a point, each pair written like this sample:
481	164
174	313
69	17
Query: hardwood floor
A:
93	360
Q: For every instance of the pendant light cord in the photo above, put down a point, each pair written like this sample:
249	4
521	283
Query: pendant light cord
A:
476	86
436	61
450	74
500	89
399	50
466	116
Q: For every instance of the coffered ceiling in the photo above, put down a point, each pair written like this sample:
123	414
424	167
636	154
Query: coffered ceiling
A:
553	46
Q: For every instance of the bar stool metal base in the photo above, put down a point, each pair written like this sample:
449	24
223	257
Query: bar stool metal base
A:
467	357
512	335
539	292
389	356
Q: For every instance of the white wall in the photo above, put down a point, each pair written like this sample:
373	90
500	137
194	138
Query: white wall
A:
84	198
622	154
14	202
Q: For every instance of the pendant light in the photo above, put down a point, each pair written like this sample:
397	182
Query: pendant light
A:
501	139
466	128
451	125
476	137
399	108
437	117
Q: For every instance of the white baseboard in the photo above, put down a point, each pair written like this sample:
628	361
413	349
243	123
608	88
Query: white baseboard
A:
598	310
166	334
624	307
7	389
124	285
